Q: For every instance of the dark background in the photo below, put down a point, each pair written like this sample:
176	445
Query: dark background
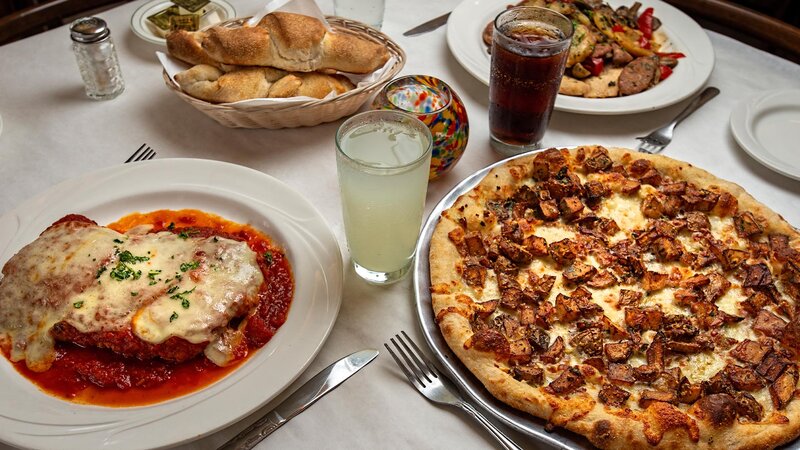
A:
787	11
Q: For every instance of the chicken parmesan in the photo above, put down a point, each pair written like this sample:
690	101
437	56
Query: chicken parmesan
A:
133	304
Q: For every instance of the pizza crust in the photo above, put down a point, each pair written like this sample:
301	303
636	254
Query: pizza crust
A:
661	424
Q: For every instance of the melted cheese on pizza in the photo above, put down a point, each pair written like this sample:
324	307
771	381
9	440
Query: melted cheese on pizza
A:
158	285
595	273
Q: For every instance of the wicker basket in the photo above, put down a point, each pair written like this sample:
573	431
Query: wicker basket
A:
314	112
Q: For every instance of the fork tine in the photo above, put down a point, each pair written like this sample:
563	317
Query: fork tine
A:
414	366
647	147
149	154
431	368
134	155
411	377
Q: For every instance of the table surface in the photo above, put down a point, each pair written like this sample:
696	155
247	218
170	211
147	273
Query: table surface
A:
52	132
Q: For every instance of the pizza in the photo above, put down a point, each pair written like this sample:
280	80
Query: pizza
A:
631	298
151	307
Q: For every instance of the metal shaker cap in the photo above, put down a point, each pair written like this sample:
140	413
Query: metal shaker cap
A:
88	30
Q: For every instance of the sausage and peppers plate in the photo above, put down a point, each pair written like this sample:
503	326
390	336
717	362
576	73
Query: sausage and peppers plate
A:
625	56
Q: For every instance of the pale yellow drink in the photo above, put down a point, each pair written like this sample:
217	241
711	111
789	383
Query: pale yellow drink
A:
383	160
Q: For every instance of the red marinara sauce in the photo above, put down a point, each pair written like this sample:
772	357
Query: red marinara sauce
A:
101	377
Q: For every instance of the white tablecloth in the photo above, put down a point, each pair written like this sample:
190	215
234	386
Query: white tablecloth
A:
52	132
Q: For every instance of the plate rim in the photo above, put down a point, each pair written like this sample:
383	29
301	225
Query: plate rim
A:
327	265
698	74
741	123
139	28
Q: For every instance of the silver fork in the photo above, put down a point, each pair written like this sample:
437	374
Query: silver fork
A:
143	153
435	387
656	141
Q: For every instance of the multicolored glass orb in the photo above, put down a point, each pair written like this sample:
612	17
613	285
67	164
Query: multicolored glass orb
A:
438	107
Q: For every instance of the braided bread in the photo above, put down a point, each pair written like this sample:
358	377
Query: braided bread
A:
211	84
293	42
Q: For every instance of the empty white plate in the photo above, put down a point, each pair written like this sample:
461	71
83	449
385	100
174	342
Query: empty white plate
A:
767	126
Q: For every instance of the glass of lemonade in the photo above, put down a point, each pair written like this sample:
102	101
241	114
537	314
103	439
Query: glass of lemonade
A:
383	159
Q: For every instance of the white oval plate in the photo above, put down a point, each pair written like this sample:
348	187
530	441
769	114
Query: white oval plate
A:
147	31
31	419
469	18
767	127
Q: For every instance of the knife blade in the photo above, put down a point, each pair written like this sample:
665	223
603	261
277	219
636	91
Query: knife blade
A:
322	383
428	26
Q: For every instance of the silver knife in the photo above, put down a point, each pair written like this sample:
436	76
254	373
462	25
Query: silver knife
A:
305	396
428	26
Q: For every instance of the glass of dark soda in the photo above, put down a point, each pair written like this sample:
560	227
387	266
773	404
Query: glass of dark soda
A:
529	50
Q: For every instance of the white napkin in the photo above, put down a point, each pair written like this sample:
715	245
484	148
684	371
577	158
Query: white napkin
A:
307	7
304	7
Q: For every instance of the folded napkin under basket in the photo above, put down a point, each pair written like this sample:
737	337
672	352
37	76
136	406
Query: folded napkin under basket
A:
313	112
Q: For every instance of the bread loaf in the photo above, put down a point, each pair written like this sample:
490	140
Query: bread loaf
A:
186	46
211	84
294	42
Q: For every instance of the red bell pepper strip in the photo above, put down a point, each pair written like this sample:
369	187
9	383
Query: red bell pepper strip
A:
593	65
617	28
645	22
665	72
673	55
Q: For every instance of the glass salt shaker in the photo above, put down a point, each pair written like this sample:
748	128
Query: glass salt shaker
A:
97	58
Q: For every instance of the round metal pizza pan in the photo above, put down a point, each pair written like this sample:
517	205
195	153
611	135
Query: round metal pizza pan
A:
470	386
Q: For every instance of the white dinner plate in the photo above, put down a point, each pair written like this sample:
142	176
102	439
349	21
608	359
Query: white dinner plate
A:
767	126
469	18
30	418
147	31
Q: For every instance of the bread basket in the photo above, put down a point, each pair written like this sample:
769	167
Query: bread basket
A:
314	112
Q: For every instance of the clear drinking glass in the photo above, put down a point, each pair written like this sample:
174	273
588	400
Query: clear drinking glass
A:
369	12
383	159
529	50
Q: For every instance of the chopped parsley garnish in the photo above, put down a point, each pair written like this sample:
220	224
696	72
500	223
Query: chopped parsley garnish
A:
118	241
187	233
124	271
128	257
215	239
173	316
171	226
172	289
182	297
190	266
78	304
100	271
152	274
152	282
134	293
268	257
